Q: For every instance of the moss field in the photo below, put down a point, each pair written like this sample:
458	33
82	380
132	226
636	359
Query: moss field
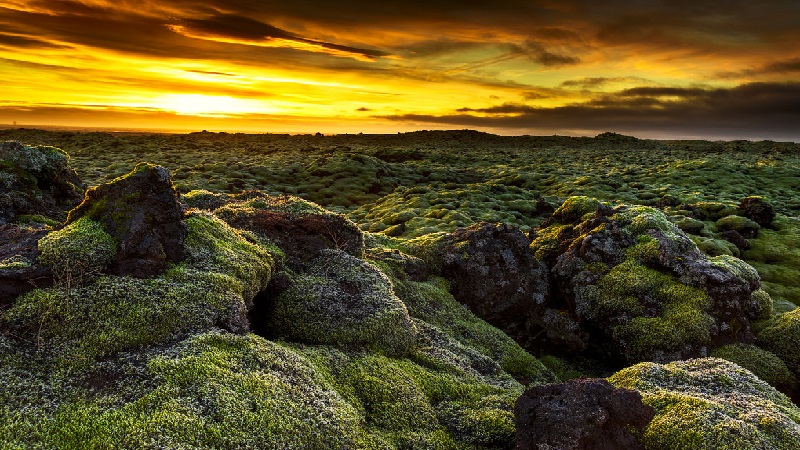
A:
105	362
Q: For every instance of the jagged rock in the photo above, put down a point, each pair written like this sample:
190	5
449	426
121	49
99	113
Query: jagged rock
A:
758	210
19	272
36	181
637	288
300	228
584	414
494	272
141	211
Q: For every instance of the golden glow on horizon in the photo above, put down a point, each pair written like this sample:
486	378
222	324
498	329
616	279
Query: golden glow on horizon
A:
61	64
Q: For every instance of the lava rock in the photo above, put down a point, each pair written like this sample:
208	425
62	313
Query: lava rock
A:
584	414
301	229
19	272
736	239
36	181
494	272
758	210
141	211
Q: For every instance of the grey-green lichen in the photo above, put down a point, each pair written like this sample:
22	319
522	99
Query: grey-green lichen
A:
711	404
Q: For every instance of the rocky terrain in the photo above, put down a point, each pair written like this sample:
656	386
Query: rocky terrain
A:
136	316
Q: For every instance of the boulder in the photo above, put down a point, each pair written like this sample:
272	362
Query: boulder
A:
36	181
493	271
632	287
709	404
758	210
19	272
300	228
141	212
583	414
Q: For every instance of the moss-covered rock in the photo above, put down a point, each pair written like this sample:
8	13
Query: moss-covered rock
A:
344	301
78	251
709	404
36	181
742	225
141	212
764	364
222	272
782	337
300	228
631	284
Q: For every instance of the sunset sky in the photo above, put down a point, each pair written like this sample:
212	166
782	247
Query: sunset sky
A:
710	69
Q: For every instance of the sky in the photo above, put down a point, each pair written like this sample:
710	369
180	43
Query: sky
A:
657	69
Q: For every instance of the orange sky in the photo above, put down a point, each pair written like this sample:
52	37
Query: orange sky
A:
652	69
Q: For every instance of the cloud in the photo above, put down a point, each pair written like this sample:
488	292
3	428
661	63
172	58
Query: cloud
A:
230	28
754	111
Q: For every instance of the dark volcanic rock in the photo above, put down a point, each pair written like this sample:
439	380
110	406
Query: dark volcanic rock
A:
300	228
585	414
140	210
19	272
758	210
629	285
36	180
493	271
736	239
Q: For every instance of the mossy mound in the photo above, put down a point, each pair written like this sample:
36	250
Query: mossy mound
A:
710	404
764	364
776	255
781	336
78	251
222	272
344	301
36	181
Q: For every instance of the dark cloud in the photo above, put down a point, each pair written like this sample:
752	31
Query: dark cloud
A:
539	52
752	111
13	40
647	91
595	82
363	109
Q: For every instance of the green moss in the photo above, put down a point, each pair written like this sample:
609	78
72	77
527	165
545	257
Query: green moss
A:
715	247
738	267
203	199
221	272
782	337
765	365
575	208
764	301
689	225
35	220
344	301
738	223
628	289
709	404
775	253
81	249
15	262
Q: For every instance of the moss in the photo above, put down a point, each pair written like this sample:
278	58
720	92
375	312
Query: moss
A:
218	391
221	272
709	404
738	267
35	220
628	290
547	240
344	301
81	249
715	210
764	364
574	208
715	247
743	225
764	301
776	255
203	199
15	262
689	225
782	337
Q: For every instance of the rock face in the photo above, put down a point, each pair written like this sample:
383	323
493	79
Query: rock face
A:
300	228
583	414
141	211
758	210
494	271
37	181
19	272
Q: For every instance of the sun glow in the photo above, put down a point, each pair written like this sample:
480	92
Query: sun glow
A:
211	105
